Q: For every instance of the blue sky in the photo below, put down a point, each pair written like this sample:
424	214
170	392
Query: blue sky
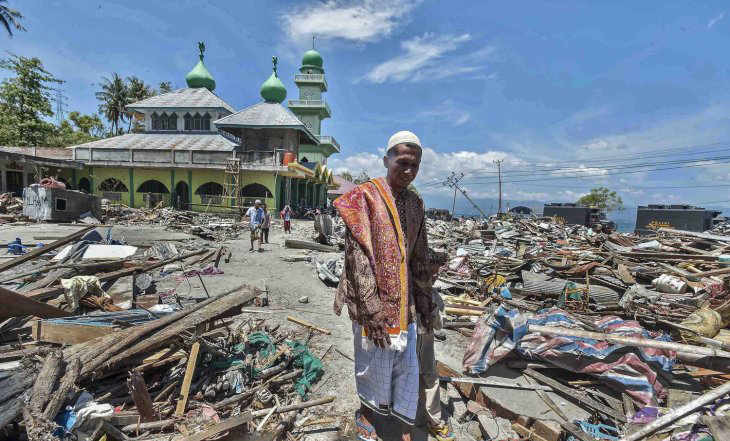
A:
568	94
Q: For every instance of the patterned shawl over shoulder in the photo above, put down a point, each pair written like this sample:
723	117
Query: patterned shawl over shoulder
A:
370	214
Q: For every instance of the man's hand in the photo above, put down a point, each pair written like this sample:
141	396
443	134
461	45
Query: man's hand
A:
377	332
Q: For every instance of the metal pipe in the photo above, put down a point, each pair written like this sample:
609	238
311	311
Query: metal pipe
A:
629	341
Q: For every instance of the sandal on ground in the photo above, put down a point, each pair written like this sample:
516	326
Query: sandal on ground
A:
442	433
368	428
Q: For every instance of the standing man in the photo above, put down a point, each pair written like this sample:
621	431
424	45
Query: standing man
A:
255	217
386	284
265	225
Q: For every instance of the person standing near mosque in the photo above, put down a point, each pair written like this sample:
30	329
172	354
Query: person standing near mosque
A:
386	284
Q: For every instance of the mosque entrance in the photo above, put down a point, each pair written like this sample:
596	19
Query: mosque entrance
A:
181	195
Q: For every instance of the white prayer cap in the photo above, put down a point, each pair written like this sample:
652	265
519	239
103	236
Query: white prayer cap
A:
258	201
404	137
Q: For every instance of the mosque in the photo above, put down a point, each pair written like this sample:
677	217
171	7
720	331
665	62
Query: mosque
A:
197	152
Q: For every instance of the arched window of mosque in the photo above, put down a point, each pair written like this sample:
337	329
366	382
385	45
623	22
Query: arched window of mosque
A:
152	186
155	121
206	121
172	121
112	184
197	122
164	123
188	122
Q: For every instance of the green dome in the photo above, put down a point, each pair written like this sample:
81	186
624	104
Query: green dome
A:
200	77
273	89
312	58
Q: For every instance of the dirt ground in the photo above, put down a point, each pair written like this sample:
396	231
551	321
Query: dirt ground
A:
285	283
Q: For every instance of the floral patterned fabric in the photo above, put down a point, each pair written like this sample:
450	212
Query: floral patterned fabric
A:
386	255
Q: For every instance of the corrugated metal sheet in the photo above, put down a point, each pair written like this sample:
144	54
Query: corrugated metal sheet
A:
164	141
541	283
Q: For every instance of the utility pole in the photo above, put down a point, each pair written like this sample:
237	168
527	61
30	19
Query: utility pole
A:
499	173
453	181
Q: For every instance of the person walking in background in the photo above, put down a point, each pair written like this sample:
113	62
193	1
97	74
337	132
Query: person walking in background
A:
255	217
386	283
286	216
265	225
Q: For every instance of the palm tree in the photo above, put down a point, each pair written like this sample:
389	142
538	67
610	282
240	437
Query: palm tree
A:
10	18
114	98
137	90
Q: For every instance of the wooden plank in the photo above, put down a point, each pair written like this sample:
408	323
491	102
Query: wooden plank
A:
13	304
67	333
573	395
625	275
141	396
43	250
308	325
187	379
527	433
307	245
53	291
230	423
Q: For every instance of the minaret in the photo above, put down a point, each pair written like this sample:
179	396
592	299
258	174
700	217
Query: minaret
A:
311	108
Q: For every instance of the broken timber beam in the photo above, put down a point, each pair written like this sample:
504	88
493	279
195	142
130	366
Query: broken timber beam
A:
43	250
13	304
308	325
189	372
306	245
140	395
56	290
571	394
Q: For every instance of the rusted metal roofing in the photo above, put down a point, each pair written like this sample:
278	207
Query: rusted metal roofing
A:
164	141
183	98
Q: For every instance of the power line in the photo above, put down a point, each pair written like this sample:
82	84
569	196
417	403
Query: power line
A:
452	181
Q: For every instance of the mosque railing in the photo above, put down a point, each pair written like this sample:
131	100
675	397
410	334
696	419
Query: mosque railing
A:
310	104
323	139
310	78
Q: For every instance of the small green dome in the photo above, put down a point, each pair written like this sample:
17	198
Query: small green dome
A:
273	89
312	58
200	77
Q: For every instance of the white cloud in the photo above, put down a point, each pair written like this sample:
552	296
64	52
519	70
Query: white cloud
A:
447	111
360	21
419	59
713	21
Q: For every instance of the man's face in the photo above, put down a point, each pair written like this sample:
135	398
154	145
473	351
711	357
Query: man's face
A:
257	206
402	163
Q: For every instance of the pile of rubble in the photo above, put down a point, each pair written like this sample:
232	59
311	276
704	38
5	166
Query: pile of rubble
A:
208	226
631	330
79	363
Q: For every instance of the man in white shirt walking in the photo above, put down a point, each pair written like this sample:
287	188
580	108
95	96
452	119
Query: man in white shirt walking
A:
255	217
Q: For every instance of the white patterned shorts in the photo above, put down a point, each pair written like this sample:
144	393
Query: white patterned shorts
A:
387	380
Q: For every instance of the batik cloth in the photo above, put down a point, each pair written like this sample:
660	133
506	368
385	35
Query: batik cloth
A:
255	232
386	379
386	268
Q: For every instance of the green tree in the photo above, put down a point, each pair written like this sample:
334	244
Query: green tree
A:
88	124
10	18
25	100
345	175
165	87
362	178
137	90
602	198
114	98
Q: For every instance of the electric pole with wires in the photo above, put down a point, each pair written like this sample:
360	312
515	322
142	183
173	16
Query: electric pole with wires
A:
453	181
499	173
